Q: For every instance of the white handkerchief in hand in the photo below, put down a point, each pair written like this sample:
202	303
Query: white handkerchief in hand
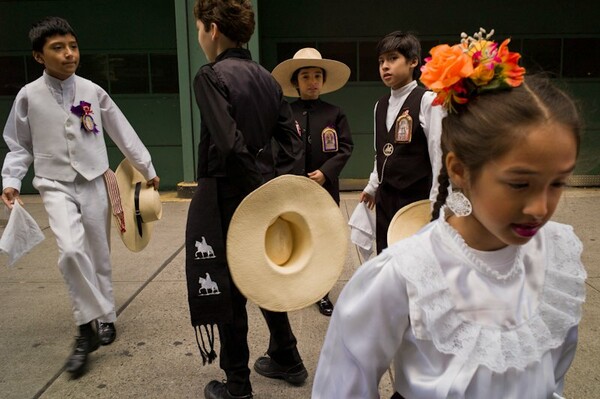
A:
362	232
21	234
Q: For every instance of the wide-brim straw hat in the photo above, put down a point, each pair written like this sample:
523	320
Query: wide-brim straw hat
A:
409	220
132	184
287	244
337	72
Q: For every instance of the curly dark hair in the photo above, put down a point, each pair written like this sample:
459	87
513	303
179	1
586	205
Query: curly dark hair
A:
235	18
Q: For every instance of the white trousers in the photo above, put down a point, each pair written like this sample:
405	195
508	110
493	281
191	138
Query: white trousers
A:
79	215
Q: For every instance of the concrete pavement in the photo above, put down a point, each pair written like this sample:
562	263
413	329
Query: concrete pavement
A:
155	354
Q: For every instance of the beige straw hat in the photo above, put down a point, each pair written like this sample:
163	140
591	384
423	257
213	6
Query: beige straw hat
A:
337	72
287	244
132	184
409	220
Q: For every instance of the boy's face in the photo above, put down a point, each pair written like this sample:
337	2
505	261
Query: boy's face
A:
206	42
395	70
310	83
60	56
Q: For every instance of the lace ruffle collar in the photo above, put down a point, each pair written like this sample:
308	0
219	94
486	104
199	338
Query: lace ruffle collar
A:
434	318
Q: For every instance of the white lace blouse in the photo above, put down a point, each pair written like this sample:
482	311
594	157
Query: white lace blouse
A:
455	326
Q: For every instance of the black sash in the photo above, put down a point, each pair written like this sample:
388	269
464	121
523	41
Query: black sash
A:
207	274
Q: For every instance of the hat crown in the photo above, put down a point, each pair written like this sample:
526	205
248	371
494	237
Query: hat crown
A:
308	53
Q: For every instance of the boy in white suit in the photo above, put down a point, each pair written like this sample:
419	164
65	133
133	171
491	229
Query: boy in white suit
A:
57	122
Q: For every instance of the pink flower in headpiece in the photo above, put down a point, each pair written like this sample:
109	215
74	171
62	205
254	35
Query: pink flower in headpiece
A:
510	71
485	57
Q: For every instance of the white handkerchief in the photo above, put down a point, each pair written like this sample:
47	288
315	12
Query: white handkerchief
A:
362	232
21	234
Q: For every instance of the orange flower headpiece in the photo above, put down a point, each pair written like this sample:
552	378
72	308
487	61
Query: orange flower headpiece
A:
476	65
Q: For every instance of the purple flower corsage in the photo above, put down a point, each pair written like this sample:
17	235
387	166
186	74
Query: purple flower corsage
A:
84	111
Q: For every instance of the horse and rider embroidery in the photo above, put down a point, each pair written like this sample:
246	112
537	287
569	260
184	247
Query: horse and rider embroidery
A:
205	250
209	286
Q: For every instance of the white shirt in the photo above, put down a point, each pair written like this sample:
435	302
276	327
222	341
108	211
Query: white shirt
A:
18	135
430	118
455	326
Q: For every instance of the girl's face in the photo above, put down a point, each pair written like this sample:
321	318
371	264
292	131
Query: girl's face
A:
310	83
60	56
395	70
517	193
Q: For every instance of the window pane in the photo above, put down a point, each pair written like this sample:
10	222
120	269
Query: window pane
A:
541	55
164	73
341	51
287	50
581	58
12	77
367	62
128	73
95	68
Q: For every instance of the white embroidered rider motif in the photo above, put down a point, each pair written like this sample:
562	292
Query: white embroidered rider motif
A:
203	250
207	286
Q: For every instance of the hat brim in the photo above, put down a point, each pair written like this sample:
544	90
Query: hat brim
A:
337	72
127	177
318	254
409	220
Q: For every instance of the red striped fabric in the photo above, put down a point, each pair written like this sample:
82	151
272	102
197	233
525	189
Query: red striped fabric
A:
115	197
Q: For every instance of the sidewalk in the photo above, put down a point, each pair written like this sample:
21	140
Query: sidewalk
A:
155	354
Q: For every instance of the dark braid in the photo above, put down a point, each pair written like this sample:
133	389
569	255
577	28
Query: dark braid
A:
444	183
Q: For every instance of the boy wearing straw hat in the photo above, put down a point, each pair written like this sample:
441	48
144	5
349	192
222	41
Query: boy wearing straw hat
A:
58	122
243	112
407	135
323	126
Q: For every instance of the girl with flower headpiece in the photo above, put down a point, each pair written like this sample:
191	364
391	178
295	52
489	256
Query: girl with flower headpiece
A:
485	300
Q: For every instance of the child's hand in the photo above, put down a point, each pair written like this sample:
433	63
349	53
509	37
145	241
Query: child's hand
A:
368	198
9	195
154	182
317	176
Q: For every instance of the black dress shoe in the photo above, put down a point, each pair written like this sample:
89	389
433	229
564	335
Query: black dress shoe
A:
84	344
107	333
218	390
325	306
267	367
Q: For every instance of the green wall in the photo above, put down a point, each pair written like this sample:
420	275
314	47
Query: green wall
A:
110	26
435	20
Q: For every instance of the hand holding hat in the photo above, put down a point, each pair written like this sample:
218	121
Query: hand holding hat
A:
141	206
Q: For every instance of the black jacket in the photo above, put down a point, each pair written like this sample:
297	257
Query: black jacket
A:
313	116
247	132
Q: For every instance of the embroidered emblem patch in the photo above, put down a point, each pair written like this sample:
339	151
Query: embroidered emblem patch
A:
329	139
403	132
203	250
388	149
207	286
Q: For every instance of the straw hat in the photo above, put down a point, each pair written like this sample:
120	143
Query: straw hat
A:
337	72
136	236
287	244
408	220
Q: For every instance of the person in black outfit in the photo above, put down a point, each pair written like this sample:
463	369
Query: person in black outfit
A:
323	127
242	113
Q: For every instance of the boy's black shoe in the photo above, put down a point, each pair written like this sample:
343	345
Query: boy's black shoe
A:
325	306
267	367
84	344
107	333
218	390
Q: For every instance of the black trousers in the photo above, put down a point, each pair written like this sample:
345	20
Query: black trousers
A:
234	354
389	200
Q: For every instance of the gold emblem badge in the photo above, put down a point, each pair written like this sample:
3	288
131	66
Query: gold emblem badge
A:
388	149
329	140
403	132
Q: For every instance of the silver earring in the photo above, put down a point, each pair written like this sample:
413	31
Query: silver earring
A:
459	204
